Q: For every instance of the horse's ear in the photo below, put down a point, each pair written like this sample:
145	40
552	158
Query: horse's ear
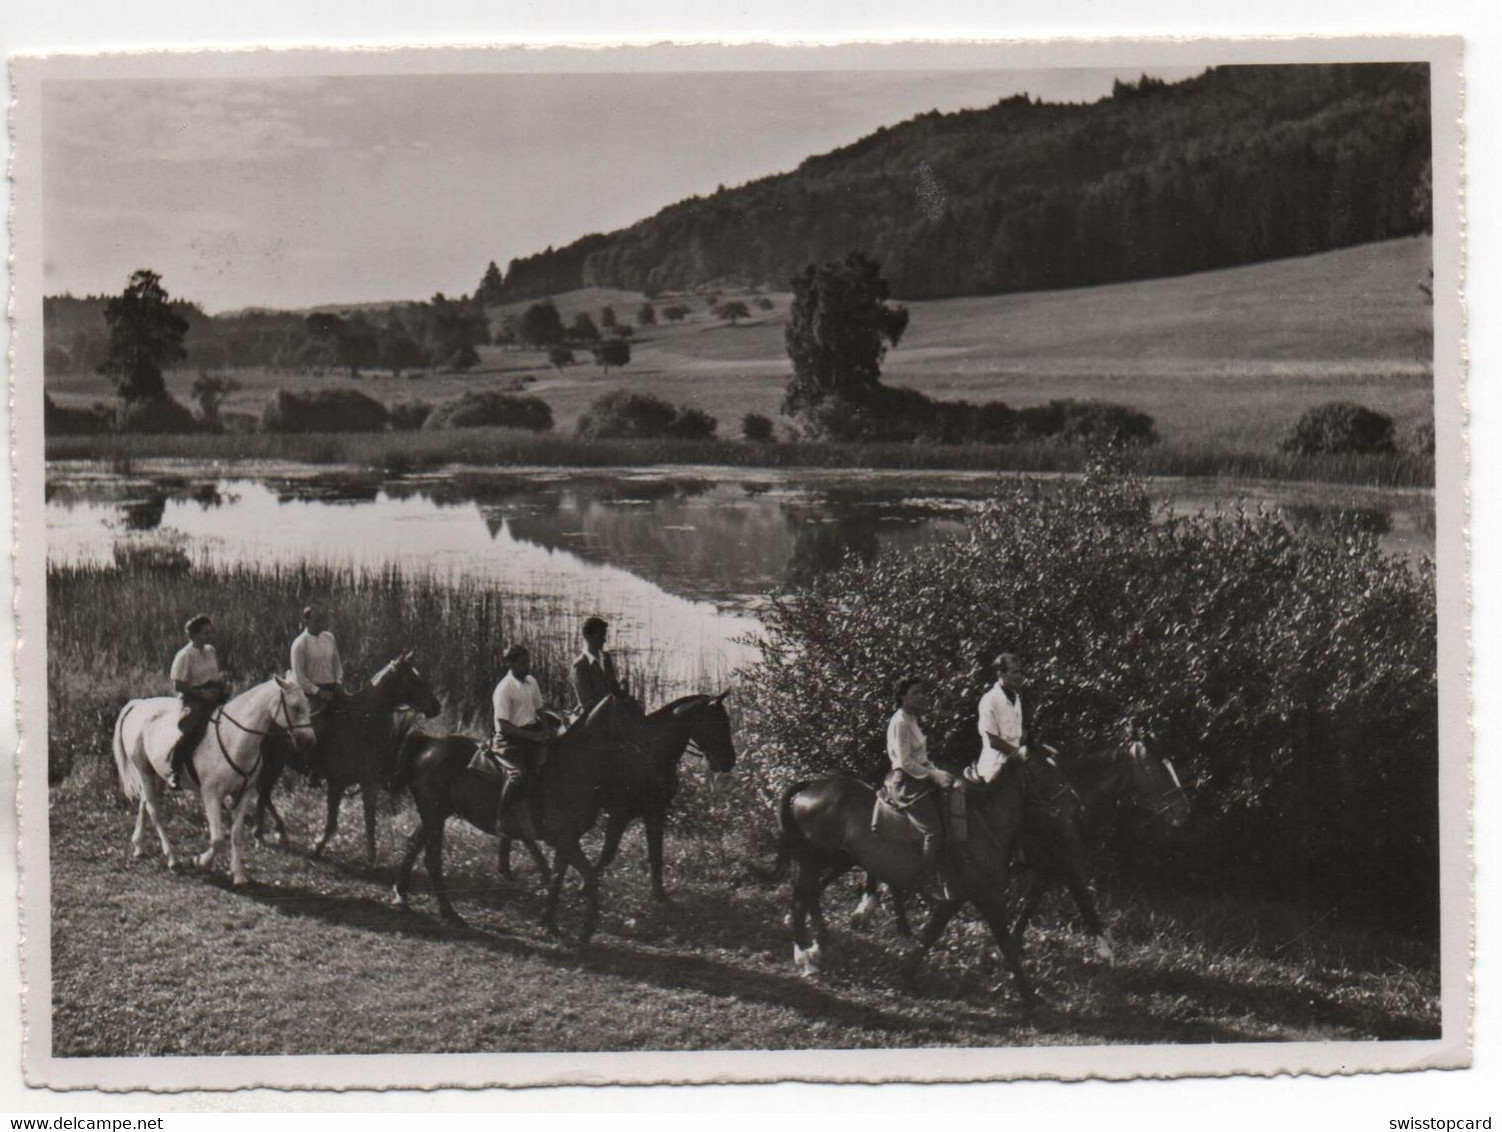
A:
281	682
721	697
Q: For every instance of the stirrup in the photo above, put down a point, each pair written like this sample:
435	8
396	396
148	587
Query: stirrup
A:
174	780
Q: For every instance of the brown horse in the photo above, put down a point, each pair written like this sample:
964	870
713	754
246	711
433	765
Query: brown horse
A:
563	795
1060	807
357	747
643	781
826	832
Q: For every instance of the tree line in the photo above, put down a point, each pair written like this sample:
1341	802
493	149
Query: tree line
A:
1238	165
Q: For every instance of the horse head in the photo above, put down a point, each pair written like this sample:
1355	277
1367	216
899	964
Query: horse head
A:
709	729
1155	780
293	714
405	685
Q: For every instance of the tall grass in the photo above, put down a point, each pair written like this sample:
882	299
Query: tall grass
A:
112	631
418	451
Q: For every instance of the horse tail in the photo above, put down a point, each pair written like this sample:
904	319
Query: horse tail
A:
789	836
130	785
406	754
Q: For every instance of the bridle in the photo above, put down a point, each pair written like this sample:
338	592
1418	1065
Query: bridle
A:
285	728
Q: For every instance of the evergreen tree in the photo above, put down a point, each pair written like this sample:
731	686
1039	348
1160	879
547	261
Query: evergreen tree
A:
145	334
492	287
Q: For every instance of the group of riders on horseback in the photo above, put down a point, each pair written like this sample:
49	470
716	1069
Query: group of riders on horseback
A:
522	733
953	834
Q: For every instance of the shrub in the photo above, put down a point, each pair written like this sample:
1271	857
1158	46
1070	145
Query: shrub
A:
622	413
58	420
675	313
755	426
488	409
1340	427
1421	440
463	359
1086	423
155	415
1292	678
323	410
408	416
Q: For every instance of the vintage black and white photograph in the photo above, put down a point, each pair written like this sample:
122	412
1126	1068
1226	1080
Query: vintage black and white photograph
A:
897	562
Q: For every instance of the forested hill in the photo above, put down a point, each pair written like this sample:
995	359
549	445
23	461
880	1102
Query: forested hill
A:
1240	164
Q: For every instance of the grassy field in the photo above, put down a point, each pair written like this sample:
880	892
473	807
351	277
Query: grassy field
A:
311	958
1224	361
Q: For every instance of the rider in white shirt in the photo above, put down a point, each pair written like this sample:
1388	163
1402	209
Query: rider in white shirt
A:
315	660
520	734
1001	720
196	678
913	783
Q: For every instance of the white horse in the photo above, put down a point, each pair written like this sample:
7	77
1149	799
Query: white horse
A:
226	760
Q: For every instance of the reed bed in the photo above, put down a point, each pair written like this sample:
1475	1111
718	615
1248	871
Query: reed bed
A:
112	631
401	452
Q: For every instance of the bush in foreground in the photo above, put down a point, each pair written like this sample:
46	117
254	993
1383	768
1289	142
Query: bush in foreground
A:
488	409
409	416
1292	676
624	414
323	410
1338	428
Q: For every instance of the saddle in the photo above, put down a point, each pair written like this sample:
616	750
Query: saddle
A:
892	822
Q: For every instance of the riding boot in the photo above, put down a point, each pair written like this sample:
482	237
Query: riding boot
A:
175	763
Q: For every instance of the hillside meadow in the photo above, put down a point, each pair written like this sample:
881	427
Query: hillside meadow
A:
1224	361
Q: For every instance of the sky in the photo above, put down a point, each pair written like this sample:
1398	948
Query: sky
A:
291	192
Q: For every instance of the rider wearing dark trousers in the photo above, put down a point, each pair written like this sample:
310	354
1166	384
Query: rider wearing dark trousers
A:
1004	723
914	784
197	679
521	735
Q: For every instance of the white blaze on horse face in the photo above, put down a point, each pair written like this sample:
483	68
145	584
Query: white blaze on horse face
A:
1138	749
1173	774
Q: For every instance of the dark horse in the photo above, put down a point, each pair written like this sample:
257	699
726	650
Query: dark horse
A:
643	781
357	747
826	832
563	795
1058	812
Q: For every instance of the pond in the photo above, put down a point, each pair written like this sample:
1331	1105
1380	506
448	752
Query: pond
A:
679	559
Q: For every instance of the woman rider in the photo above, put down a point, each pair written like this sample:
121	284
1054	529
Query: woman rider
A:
913	781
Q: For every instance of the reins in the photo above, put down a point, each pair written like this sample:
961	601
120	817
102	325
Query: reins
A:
284	728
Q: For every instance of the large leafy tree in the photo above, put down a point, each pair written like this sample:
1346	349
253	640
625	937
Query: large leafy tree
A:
541	325
838	331
145	334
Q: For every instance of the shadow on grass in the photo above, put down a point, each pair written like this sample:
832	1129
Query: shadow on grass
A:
675	970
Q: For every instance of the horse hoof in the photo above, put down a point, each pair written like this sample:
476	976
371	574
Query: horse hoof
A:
172	864
1104	949
317	851
809	961
240	882
135	853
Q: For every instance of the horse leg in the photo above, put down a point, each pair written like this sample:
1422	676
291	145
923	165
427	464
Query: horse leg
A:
276	816
434	861
503	856
539	858
1037	887
938	920
137	848
655	823
996	919
331	821
805	953
236	864
870	897
591	878
415	843
899	910
369	799
271	772
555	889
213	808
615	829
1084	900
149	801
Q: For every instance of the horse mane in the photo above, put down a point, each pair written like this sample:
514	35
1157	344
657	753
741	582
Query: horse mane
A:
672	706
